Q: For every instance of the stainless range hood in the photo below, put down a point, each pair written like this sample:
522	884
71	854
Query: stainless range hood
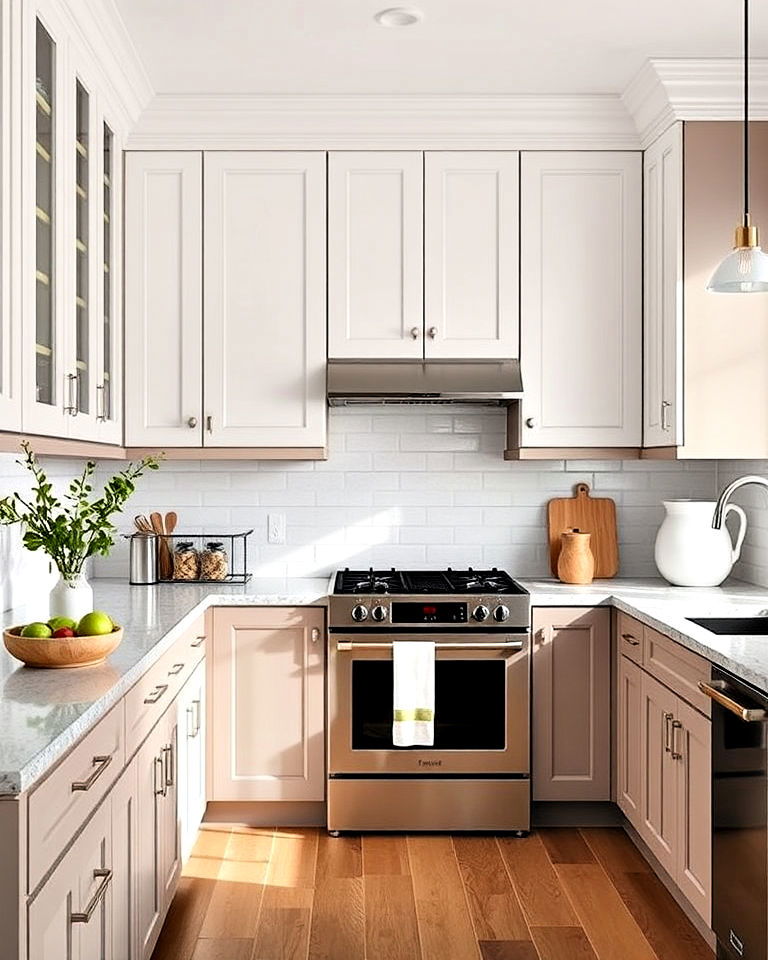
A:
491	382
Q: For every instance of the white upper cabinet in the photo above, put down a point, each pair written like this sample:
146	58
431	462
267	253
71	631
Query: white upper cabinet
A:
265	290
375	255
471	269
163	299
663	326
581	322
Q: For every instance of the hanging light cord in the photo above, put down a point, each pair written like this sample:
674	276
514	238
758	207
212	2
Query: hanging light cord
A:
746	113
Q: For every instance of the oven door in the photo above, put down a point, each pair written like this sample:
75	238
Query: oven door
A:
481	705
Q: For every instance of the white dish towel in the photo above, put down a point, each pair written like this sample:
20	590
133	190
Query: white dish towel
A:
413	701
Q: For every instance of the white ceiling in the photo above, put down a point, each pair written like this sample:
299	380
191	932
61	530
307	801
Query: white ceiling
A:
462	46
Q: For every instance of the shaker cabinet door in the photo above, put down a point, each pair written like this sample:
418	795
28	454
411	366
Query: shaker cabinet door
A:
163	299
629	754
693	751
659	821
265	293
581	296
375	255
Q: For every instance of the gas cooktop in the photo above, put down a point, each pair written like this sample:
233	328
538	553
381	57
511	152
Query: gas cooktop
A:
425	582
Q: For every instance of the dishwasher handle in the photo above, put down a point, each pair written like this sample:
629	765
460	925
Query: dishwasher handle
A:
715	690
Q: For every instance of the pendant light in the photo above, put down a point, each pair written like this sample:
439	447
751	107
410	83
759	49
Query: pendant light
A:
745	269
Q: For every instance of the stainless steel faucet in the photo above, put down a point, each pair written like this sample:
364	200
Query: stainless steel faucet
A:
722	500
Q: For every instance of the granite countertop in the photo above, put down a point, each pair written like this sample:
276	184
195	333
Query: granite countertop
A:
44	712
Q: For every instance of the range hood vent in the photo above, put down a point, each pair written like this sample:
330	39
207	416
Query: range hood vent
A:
489	382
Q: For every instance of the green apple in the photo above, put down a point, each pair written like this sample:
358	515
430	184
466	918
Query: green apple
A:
56	623
95	624
39	631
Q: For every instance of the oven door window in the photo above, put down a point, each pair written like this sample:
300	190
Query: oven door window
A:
470	699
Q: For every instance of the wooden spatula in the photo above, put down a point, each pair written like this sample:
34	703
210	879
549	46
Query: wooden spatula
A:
164	555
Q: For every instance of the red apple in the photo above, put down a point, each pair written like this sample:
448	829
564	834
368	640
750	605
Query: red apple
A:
63	632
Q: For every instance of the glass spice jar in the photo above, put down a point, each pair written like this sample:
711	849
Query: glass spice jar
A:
186	561
214	562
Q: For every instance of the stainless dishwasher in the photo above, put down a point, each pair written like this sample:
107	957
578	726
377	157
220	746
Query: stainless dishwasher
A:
739	817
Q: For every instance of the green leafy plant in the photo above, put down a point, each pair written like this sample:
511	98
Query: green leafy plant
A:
80	526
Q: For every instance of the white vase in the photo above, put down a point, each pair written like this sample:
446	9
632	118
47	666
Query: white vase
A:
689	551
71	597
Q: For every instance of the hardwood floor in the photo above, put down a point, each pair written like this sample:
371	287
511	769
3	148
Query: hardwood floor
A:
298	894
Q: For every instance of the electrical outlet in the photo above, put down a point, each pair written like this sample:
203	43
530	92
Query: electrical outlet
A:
276	528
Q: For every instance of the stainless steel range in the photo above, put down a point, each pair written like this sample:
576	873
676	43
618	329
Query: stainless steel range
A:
477	774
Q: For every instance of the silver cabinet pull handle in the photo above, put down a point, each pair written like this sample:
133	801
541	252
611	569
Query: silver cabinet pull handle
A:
198	716
162	790
432	332
665	405
190	722
667	740
676	754
632	641
415	333
209	423
193	712
315	634
175	669
715	689
100	764
156	693
169	764
198	642
101	403
530	423
106	878
70	381
192	422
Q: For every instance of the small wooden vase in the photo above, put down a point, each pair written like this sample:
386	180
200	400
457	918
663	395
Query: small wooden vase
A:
576	563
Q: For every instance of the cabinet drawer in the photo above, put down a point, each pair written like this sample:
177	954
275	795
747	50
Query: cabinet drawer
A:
146	702
677	668
630	637
61	803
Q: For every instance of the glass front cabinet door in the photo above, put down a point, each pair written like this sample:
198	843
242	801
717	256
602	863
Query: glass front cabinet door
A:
71	339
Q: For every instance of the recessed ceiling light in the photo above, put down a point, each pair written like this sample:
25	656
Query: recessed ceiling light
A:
399	17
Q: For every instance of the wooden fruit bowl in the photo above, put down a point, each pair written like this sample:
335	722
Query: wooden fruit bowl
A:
60	653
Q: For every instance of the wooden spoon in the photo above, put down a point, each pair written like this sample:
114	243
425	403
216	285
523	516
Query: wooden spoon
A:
171	519
166	569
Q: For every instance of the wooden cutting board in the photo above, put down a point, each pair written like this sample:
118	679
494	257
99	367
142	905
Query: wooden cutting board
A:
595	515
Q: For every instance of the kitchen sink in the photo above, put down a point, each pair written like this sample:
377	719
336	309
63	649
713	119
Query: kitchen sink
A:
733	626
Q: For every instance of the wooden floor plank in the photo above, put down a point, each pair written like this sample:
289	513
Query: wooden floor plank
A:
338	920
445	926
391	929
233	911
614	850
606	920
562	943
286	910
385	855
566	845
186	914
229	949
508	950
493	904
537	886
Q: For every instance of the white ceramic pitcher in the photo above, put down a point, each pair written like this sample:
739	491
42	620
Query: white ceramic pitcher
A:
689	552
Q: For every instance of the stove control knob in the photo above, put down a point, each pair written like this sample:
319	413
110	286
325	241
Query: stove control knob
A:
481	612
359	613
501	613
379	614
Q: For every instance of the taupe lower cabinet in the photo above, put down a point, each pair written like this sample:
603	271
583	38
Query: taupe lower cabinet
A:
663	782
571	703
267	703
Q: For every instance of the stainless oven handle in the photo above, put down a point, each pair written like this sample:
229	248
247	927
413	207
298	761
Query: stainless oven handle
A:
345	645
716	691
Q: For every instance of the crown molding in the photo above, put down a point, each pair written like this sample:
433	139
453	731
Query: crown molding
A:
100	31
668	90
460	122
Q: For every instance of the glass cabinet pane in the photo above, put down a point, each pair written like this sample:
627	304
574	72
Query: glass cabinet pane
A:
82	246
45	146
105	387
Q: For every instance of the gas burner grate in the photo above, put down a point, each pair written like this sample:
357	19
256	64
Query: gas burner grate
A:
425	582
369	581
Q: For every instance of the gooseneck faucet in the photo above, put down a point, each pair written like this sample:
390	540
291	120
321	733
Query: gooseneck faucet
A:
722	500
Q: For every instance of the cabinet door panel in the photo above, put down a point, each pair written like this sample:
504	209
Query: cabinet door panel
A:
267	704
148	905
629	772
375	255
123	803
265	284
471	268
663	294
191	758
658	810
694	835
163	299
581	322
571	704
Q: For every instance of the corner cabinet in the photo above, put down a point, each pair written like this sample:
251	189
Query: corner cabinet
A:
266	703
225	306
581	295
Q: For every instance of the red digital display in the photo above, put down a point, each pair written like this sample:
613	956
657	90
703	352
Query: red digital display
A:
429	611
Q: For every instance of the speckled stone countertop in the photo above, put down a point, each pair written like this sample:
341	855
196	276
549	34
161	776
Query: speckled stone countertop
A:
44	712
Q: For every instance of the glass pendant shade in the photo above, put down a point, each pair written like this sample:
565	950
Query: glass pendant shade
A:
744	270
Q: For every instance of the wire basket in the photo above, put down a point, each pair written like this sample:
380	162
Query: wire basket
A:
176	565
